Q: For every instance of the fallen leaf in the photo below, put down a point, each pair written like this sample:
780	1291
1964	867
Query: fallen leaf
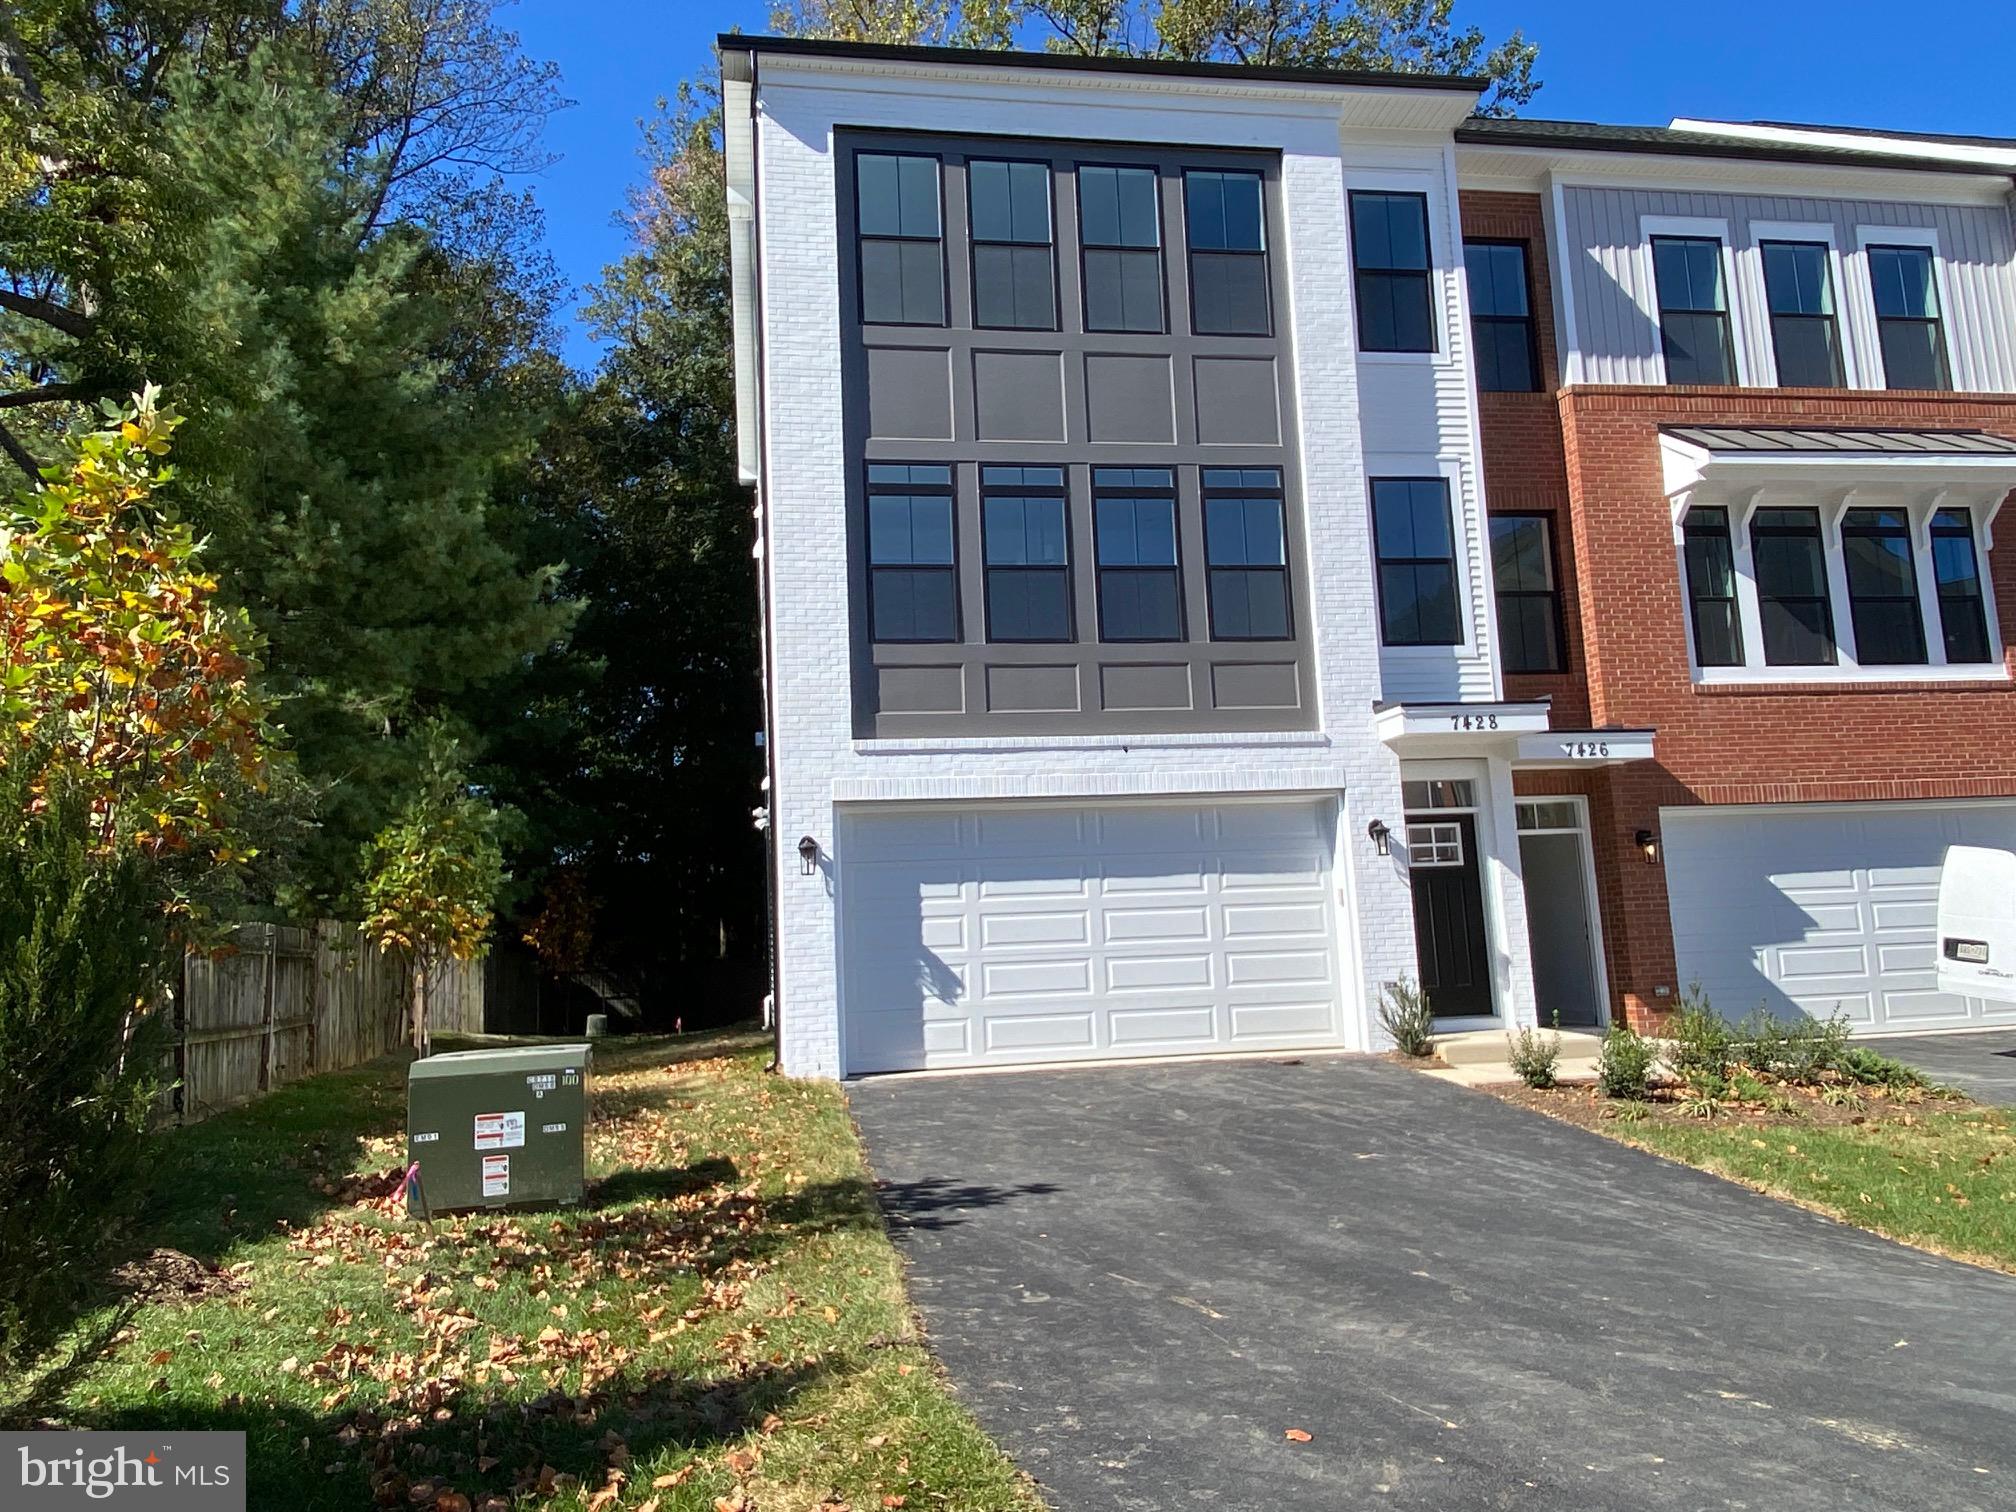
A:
161	1357
1298	1435
451	1501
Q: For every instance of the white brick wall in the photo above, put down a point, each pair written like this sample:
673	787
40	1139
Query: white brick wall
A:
819	766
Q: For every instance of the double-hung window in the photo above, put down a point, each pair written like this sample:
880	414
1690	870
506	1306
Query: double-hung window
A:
1711	587
1529	603
1014	267
1793	607
1390	262
1805	335
1882	588
913	587
902	239
1956	568
1134	541
1226	224
1120	234
1693	310
1028	557
1418	597
1501	317
1907	318
1246	553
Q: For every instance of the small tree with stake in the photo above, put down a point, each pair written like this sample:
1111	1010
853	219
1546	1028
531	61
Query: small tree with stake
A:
431	878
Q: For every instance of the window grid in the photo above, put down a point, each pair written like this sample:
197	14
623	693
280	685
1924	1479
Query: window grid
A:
900	226
1711	588
1437	844
1246	554
1419	603
1137	554
1501	316
1795	610
1225	222
1012	251
1956	570
1529	597
1391	271
1693	310
1882	588
1805	335
1025	532
913	571
1120	248
1908	325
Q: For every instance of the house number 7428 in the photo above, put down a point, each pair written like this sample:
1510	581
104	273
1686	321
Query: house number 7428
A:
1473	721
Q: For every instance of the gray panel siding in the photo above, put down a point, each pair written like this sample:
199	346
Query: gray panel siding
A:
966	397
1616	309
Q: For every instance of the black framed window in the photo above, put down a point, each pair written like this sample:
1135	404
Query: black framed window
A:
1120	237
1907	318
1956	568
1134	540
902	238
1693	310
1389	257
1418	599
1793	607
1711	588
1246	553
913	578
1501	317
1014	262
1024	540
1882	588
1226	223
1805	335
1529	600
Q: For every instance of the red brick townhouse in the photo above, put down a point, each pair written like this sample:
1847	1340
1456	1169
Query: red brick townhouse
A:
1234	538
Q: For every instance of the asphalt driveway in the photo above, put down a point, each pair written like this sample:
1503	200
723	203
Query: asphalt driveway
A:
1141	1277
1980	1063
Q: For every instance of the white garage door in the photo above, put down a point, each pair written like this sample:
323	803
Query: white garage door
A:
1823	908
1008	934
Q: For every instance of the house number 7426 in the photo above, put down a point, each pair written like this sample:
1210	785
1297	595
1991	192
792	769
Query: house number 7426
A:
1585	748
1473	721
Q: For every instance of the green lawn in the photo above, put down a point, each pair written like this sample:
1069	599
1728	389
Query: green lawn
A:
723	1327
1942	1180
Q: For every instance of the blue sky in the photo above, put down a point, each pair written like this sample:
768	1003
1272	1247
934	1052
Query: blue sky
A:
1849	62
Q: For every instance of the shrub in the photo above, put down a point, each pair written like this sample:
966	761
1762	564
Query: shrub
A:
1535	1055
1702	1043
1860	1064
1407	1019
1624	1069
81	951
1798	1050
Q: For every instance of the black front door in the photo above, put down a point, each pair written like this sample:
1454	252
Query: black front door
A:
1449	914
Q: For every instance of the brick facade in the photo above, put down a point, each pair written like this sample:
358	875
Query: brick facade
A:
1590	455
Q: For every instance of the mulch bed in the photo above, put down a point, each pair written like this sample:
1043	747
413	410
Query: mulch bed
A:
1586	1106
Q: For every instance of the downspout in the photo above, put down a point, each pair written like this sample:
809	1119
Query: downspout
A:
738	141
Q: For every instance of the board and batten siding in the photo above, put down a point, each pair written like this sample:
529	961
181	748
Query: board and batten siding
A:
1616	309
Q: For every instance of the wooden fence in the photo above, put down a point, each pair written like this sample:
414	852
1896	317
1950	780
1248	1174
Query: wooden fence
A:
286	1002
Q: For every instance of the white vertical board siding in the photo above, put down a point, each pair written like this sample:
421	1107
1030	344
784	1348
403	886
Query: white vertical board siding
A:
1616	309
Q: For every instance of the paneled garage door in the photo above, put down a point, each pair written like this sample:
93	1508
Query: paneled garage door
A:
1012	933
1823	907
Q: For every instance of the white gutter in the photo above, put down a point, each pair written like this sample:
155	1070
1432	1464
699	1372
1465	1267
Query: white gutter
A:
738	141
1990	158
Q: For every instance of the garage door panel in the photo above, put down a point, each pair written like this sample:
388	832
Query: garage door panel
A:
1172	940
1815	910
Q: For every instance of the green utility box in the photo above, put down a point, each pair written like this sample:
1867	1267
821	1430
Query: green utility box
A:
498	1128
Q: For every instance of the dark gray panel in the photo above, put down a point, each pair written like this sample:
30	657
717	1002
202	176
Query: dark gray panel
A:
1255	685
1032	690
1018	396
1127	686
1129	399
923	690
909	394
1238	401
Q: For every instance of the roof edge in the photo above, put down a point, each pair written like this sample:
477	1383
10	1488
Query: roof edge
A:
1505	132
1084	63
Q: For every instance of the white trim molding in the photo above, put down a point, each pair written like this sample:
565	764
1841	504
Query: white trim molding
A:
1702	227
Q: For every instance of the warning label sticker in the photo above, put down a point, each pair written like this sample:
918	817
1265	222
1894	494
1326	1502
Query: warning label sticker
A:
496	1175
500	1131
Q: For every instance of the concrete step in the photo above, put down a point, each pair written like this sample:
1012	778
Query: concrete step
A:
1485	1076
1492	1047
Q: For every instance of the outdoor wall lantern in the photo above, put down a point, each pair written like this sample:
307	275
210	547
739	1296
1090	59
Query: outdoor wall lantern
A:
1382	837
1648	843
808	856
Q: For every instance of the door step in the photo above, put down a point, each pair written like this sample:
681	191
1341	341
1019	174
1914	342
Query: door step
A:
1480	1056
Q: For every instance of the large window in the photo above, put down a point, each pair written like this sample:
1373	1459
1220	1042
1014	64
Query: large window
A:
1501	316
1389	254
1793	609
1014	266
1907	318
913	588
1957	571
902	239
1882	588
1228	253
1120	231
1246	553
1693	310
1134	538
1711	588
1529	603
1417	562
1804	333
1027	555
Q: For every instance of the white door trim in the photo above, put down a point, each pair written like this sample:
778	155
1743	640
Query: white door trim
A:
1591	901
